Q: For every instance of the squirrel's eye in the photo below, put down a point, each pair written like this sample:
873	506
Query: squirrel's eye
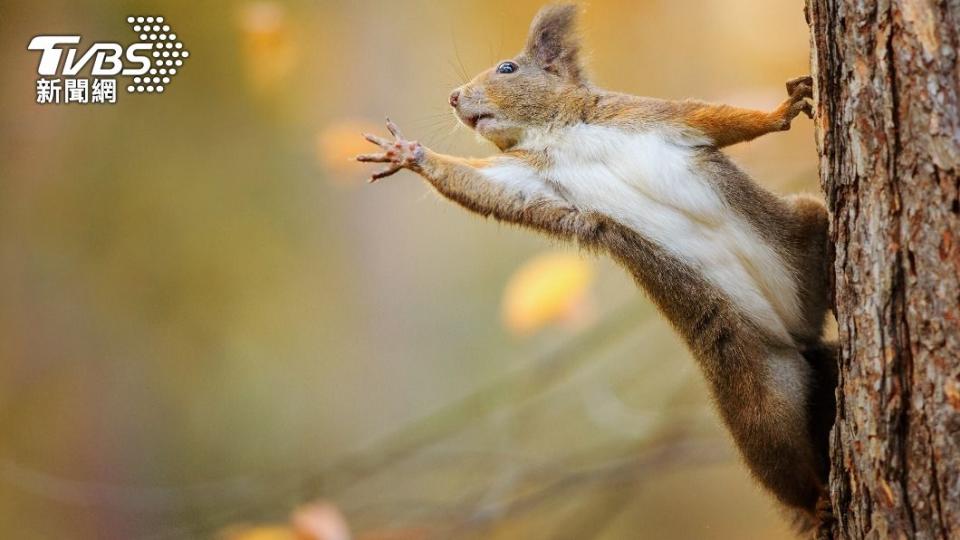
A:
507	67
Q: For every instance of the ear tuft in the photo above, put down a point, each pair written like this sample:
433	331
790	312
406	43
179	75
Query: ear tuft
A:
553	40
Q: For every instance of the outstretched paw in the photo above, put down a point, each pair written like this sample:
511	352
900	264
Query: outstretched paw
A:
801	92
399	153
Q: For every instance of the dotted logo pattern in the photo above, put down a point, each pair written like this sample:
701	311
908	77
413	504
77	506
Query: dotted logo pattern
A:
167	57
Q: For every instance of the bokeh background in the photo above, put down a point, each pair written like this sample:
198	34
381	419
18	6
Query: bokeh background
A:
208	318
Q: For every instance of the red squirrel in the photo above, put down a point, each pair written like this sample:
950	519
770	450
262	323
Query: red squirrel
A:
739	272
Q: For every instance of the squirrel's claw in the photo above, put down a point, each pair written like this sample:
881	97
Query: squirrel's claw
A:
379	141
800	90
374	158
383	173
399	153
394	130
793	84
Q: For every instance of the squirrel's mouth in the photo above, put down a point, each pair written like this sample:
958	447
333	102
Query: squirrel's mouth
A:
475	119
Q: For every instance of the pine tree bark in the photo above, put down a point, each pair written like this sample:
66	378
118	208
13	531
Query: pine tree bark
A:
887	79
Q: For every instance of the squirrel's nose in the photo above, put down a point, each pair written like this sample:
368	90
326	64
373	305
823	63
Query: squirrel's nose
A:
455	98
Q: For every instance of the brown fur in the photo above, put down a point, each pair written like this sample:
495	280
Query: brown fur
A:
783	443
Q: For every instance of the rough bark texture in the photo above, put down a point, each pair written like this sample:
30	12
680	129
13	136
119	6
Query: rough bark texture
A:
888	132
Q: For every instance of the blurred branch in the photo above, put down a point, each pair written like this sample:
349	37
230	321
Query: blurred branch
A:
619	472
528	382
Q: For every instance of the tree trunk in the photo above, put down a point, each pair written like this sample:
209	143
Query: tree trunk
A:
886	83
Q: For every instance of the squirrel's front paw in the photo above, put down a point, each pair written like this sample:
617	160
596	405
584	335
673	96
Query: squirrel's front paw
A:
399	153
800	85
800	90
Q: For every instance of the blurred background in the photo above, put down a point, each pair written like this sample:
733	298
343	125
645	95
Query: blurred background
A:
208	319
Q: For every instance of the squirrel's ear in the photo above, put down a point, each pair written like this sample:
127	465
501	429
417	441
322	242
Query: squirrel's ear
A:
553	42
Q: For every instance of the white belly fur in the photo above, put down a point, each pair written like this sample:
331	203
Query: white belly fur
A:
647	181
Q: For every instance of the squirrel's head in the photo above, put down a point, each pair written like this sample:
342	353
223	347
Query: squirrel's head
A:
542	86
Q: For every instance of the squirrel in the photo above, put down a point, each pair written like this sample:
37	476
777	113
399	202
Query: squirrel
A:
740	273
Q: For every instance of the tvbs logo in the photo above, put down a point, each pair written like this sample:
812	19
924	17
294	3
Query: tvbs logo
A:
151	62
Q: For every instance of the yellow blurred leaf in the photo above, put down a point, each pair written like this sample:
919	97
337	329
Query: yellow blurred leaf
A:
549	288
260	532
270	52
320	521
403	533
